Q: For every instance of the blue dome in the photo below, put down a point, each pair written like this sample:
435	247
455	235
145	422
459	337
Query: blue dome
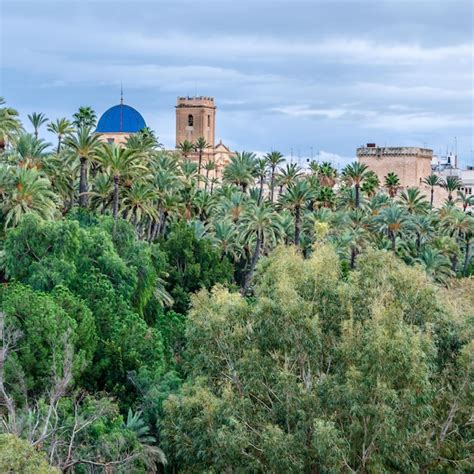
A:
120	118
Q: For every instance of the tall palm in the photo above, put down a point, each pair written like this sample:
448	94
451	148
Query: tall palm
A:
84	144
259	224
209	166
29	150
200	146
371	184
37	120
274	159
225	236
241	169
31	194
355	173
451	184
10	124
432	180
85	117
101	194
186	148
261	173
414	201
118	162
327	174
295	199
288	175
138	203
60	128
465	200
356	232
393	219
392	183
326	197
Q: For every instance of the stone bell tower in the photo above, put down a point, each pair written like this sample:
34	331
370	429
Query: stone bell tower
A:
195	117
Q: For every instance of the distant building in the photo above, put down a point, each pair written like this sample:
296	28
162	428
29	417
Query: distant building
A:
119	122
410	164
195	118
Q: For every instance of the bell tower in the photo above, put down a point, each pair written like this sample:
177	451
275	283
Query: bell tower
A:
195	117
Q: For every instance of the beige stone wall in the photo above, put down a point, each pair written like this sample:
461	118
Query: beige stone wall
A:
411	164
203	112
118	138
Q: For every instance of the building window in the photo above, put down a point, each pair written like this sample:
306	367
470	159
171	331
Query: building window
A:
190	120
110	140
208	120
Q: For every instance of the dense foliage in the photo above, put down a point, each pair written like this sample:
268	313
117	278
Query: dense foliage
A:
160	313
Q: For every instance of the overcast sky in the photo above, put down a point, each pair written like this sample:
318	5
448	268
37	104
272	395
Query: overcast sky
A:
286	75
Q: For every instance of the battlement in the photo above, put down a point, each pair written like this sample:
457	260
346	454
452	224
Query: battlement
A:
200	101
380	152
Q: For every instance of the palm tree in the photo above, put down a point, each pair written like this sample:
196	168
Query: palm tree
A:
138	203
288	175
371	184
465	200
118	162
327	174
435	264
259	224
392	183
84	145
414	201
102	193
29	150
326	197
60	128
451	184
356	233
225	236
37	120
85	117
241	169
10	125
295	199
186	148
261	173
394	220
31	194
432	180
355	173
200	146
274	159
210	165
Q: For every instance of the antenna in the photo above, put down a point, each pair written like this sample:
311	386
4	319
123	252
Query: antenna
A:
121	93
455	152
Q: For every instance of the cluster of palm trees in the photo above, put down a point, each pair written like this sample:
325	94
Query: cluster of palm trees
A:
258	203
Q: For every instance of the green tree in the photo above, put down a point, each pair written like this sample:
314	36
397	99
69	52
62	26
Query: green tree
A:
432	180
296	198
241	169
85	117
84	144
451	184
61	128
355	174
274	159
37	120
200	146
392	183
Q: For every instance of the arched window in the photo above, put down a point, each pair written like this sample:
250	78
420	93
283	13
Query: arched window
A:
190	120
208	120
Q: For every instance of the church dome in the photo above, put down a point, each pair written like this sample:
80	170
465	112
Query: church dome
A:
120	118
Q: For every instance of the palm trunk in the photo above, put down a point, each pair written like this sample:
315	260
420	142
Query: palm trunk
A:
297	225
116	198
260	193
393	238
272	185
253	264
83	182
357	195
467	258
59	144
432	197
207	180
353	257
454	263
199	163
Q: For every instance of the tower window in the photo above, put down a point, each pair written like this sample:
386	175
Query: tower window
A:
110	140
208	120
190	120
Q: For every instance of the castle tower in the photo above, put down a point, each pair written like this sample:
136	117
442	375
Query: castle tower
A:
195	117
